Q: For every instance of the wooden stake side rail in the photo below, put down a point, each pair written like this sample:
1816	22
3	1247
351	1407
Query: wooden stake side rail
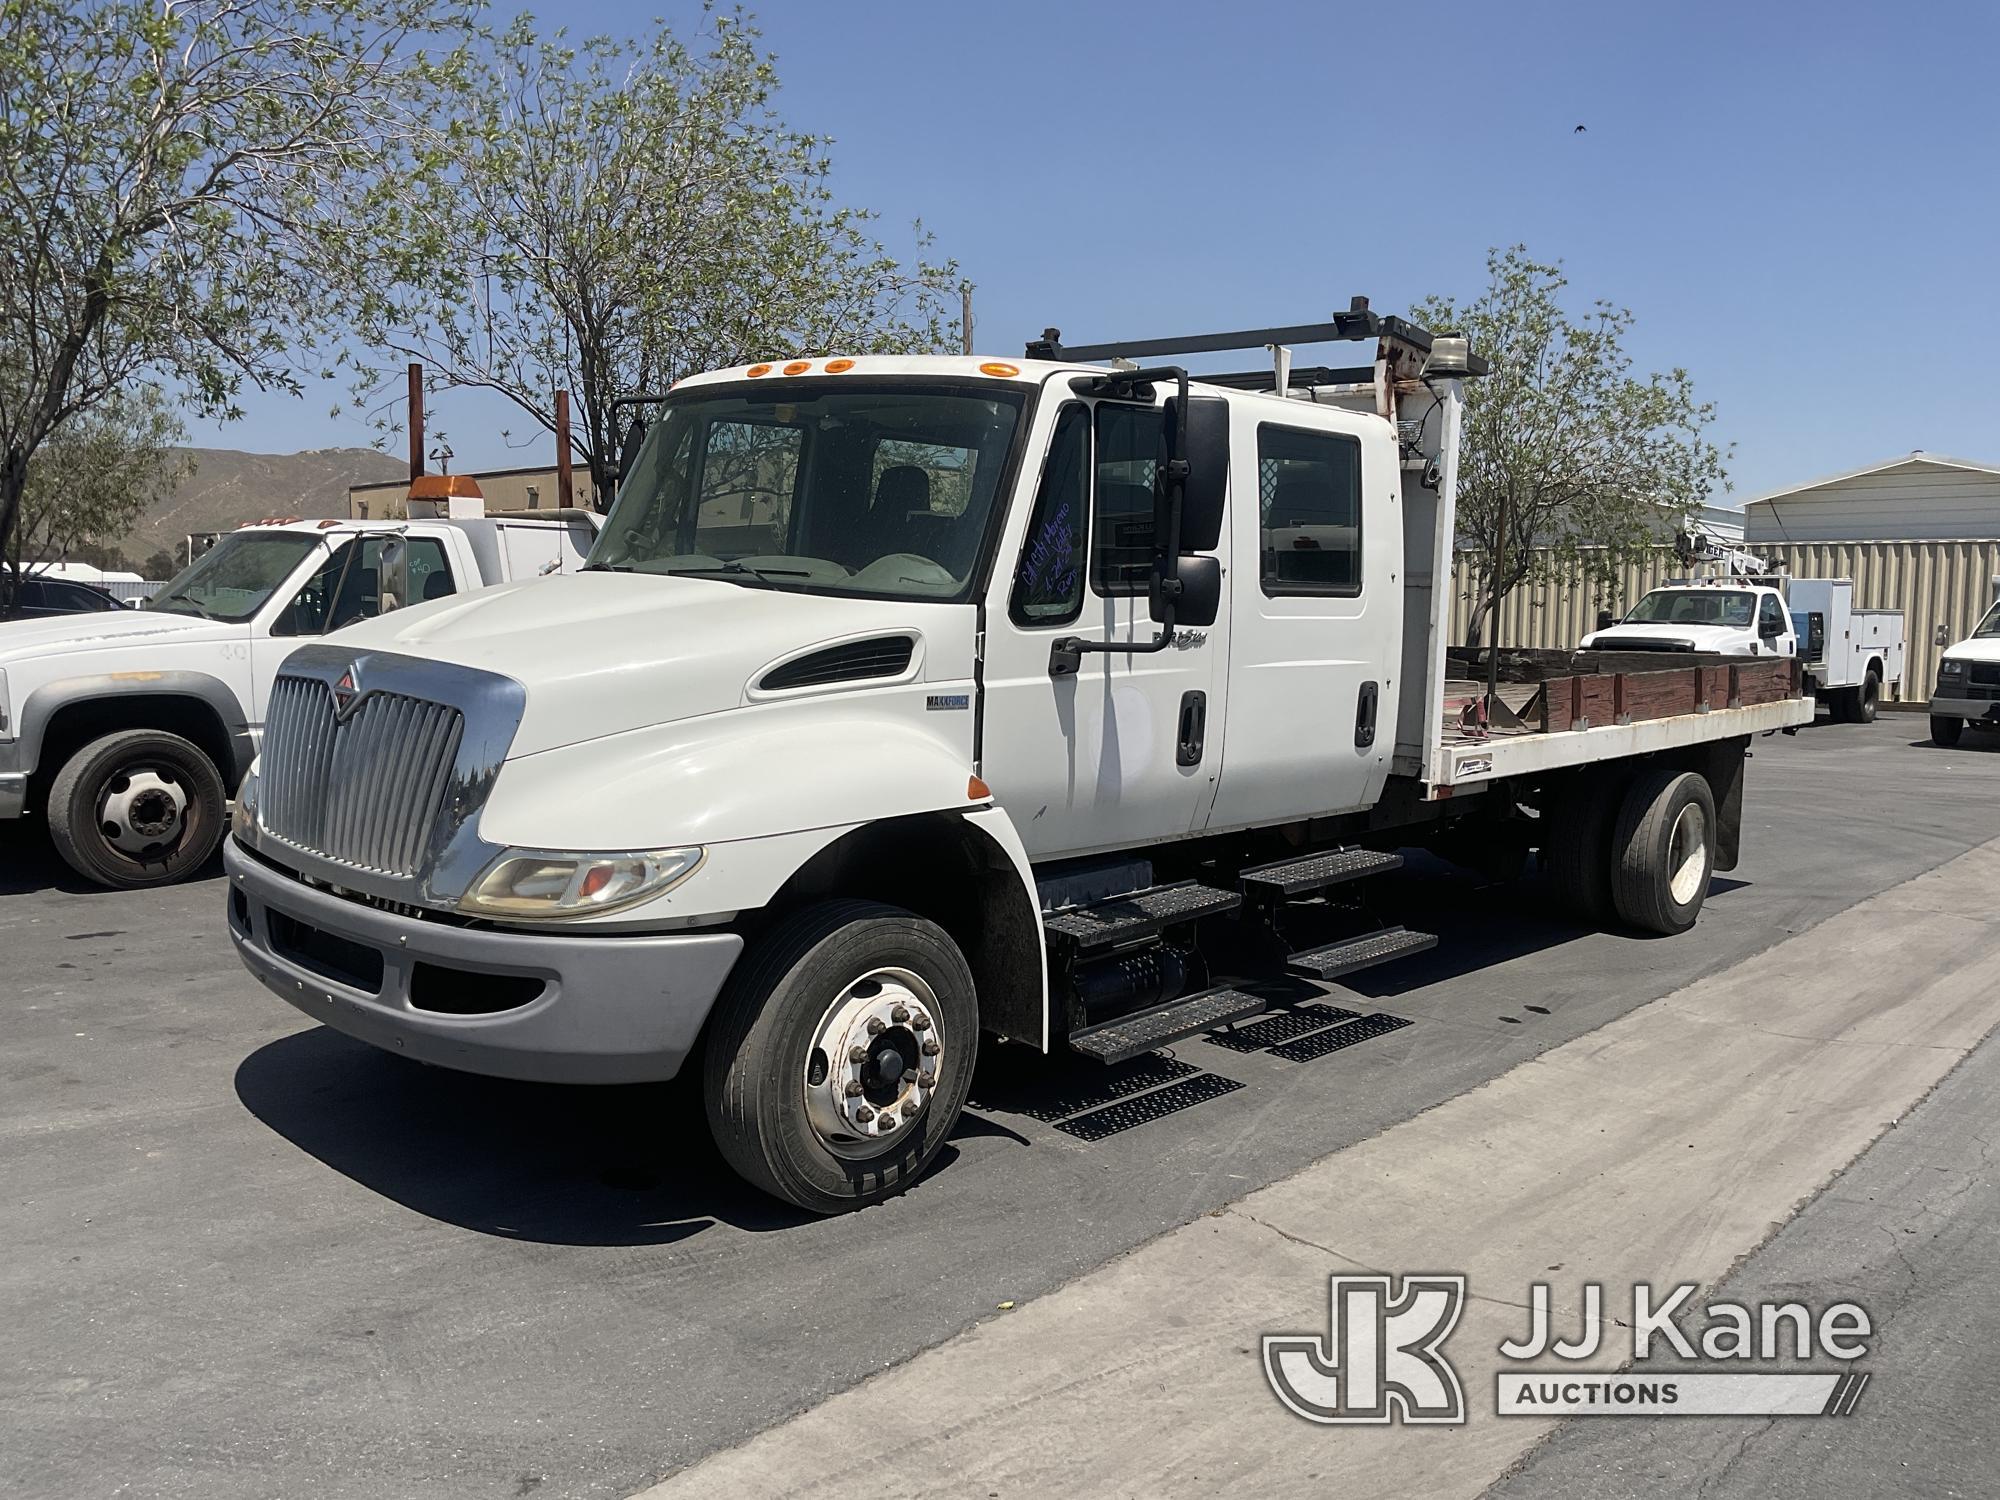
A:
1578	702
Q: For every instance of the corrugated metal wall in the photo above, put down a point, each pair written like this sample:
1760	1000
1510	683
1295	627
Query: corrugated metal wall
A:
1948	583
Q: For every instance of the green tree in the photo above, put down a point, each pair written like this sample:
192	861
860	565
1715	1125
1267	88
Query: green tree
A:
174	180
620	214
90	480
160	566
1571	465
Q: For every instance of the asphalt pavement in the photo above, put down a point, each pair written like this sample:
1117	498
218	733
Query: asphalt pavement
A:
244	1255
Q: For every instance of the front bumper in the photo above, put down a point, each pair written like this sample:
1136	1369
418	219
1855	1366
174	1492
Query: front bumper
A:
579	1008
1954	706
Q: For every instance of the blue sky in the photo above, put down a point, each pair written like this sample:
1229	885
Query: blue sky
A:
1799	202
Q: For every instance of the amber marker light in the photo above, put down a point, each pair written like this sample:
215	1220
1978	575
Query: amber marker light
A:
798	367
755	370
839	366
999	367
977	790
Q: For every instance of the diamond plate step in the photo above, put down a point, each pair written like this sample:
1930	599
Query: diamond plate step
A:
1133	1036
1143	914
1336	959
1291	877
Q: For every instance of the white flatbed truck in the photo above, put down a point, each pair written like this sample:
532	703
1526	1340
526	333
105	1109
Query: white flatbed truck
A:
910	701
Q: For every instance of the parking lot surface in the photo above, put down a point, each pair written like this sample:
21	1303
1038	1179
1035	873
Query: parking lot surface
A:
244	1255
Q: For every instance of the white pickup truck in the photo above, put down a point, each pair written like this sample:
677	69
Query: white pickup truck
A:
909	700
1968	683
128	730
1847	655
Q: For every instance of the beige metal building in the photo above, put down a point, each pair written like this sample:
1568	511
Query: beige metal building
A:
1920	497
504	489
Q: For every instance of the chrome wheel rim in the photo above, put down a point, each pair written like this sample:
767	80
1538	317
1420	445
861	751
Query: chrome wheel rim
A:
1687	854
874	1062
142	811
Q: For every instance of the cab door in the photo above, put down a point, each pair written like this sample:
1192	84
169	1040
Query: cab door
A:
1315	614
1124	751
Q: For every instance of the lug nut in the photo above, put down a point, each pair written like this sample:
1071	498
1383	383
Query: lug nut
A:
927	1080
875	1026
864	1114
854	1089
900	1014
857	1054
922	1023
910	1109
888	1122
931	1048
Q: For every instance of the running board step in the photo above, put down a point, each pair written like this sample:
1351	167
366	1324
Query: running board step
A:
1336	959
1135	1035
1291	877
1143	914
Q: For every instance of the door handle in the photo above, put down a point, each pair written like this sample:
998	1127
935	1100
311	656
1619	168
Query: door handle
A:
1194	724
1364	717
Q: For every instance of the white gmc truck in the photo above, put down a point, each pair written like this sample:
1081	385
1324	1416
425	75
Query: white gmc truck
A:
908	702
127	730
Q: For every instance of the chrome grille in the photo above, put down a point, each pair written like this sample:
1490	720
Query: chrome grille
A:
362	791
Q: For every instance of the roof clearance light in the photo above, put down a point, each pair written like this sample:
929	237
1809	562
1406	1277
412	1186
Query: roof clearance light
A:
755	370
999	367
798	367
977	790
839	366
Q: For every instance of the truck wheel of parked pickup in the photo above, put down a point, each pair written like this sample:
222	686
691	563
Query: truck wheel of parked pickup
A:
1946	729
840	1054
1663	850
137	808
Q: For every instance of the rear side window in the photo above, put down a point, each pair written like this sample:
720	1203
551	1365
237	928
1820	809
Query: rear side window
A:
1048	587
1128	451
1309	511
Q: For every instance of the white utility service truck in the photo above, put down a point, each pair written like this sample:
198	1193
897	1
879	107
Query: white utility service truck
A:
1847	655
1968	682
127	730
909	701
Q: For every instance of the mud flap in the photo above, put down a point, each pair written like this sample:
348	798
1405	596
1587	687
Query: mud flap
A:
1722	767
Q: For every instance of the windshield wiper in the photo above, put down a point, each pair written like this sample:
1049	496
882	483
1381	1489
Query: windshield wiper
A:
609	567
733	566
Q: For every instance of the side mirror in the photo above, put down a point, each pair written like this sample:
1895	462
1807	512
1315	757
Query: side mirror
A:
1605	619
1201	591
628	451
1942	637
395	568
1207	483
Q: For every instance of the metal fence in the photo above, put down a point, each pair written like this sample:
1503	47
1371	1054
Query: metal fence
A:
1948	583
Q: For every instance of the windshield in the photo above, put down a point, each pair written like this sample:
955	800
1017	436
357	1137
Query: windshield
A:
829	488
1989	627
1689	607
232	579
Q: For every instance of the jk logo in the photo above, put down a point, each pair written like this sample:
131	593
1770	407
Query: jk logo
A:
1382	1362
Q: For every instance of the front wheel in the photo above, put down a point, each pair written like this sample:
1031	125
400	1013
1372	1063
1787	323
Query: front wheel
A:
841	1054
1663	850
138	808
1867	698
1946	729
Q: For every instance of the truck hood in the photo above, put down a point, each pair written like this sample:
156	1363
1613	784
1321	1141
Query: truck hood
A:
121	631
1735	638
1981	650
602	653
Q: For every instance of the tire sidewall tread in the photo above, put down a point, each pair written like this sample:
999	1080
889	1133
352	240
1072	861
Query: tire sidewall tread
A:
1640	849
75	784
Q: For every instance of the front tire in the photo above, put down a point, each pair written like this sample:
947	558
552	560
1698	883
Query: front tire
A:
1946	729
136	809
840	1055
1663	850
1868	698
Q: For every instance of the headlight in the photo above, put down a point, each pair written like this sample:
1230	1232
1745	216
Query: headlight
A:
1950	668
551	885
246	796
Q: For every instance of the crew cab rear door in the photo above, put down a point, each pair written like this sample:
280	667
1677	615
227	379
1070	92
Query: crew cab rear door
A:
1316	614
1121	753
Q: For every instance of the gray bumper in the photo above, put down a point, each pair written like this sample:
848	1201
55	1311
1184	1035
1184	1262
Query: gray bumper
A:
1974	709
13	780
607	1010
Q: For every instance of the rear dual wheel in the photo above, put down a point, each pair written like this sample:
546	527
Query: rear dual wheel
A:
840	1055
1641	851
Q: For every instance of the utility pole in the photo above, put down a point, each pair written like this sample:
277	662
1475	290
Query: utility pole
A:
564	495
965	315
416	419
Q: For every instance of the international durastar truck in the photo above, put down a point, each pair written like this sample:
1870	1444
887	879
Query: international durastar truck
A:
910	701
